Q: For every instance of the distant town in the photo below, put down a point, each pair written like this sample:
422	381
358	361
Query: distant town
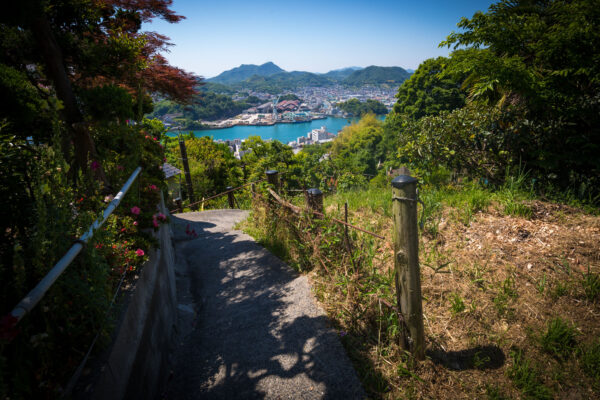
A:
314	103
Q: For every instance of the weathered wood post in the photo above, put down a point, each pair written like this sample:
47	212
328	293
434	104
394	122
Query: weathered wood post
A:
406	263
230	197
273	179
315	199
179	205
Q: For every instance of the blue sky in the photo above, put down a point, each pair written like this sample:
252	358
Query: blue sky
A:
315	36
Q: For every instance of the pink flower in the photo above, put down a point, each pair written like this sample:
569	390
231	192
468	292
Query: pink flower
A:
135	210
165	159
94	165
155	223
152	187
140	252
135	223
161	216
155	139
147	137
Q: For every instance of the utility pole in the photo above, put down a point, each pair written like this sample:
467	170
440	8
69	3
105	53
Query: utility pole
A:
186	169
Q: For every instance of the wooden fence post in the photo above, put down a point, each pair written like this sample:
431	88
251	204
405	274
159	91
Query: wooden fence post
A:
406	263
315	199
273	179
230	197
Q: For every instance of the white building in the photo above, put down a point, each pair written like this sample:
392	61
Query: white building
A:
320	134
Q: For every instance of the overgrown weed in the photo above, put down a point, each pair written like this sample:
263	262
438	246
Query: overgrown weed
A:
526	377
559	338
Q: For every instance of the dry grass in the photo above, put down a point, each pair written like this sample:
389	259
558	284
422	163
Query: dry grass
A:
490	288
513	275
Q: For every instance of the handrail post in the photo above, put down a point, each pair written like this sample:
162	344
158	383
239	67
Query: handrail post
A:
406	263
315	199
230	197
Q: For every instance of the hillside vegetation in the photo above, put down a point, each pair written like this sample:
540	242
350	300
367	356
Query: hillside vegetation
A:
374	75
246	71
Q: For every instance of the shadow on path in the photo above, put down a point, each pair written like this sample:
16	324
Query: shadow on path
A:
257	332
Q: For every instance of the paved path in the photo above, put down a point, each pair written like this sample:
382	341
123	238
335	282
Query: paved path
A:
249	325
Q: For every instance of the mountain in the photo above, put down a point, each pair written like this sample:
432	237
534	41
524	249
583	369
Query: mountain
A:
342	73
282	81
374	75
244	72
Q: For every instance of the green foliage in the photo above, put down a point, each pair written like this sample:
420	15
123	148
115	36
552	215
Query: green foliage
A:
526	377
540	60
559	338
207	106
590	360
266	155
212	166
375	75
495	393
108	103
430	90
457	304
358	147
357	108
289	96
25	110
506	293
591	285
469	140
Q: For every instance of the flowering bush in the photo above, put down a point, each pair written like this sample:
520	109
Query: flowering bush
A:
42	217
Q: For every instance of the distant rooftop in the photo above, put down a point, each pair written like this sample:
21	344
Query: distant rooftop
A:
170	170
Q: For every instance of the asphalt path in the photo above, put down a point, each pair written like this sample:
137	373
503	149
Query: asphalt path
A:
248	325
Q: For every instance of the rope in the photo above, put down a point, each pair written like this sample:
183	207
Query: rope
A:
297	209
220	194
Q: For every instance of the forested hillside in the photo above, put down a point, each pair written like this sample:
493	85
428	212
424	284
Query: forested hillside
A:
374	75
358	108
246	71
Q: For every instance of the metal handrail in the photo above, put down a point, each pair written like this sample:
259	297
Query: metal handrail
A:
36	294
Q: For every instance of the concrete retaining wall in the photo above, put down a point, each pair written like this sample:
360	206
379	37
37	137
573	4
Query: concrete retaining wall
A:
138	360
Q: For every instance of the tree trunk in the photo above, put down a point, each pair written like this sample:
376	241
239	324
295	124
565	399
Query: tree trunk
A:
77	130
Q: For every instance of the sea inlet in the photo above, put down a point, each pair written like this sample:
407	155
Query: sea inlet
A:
285	133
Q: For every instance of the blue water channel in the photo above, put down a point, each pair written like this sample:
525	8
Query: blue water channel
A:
283	132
